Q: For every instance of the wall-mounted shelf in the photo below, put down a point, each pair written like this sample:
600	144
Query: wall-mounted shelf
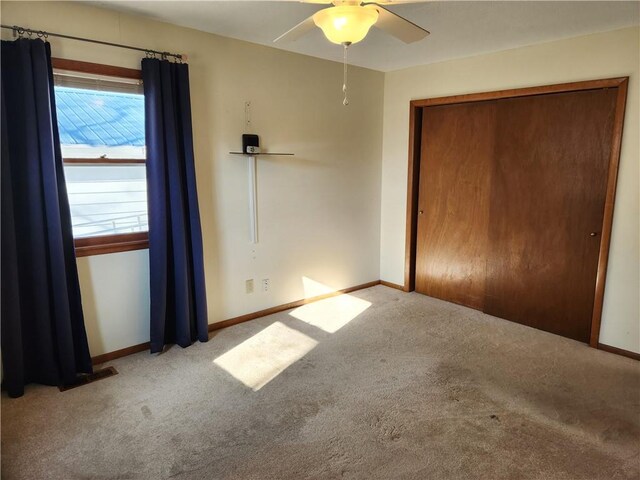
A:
258	154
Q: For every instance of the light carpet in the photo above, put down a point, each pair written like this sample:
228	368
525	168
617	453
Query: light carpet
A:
378	384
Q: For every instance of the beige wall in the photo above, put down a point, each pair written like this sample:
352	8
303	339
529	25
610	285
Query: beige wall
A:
602	55
319	212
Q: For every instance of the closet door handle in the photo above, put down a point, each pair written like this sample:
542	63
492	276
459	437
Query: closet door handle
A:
593	234
420	212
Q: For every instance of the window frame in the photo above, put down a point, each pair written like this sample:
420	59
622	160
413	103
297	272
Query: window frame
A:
121	242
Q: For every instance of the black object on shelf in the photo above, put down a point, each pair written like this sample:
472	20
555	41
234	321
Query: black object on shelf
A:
251	147
249	140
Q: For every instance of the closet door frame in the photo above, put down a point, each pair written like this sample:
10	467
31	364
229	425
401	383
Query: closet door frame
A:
415	136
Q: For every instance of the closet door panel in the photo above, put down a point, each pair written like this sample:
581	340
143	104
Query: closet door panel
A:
547	204
455	168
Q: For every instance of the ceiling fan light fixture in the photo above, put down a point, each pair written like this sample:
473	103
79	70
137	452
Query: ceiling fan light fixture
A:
345	24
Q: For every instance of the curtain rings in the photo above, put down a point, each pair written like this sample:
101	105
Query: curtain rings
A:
43	34
150	54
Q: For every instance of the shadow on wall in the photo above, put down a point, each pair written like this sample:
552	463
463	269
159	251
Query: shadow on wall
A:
261	358
89	308
204	122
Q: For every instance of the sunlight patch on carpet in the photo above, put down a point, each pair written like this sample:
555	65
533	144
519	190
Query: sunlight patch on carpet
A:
331	314
261	358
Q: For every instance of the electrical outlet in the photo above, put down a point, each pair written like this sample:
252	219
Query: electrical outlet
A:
265	284
248	285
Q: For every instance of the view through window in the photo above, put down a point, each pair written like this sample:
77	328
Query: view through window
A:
101	124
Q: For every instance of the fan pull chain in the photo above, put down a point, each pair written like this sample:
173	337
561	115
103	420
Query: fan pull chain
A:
345	101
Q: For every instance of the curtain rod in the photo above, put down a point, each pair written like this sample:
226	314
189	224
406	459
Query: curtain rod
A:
41	33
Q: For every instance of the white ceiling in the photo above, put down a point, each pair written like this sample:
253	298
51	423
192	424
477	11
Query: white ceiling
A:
458	29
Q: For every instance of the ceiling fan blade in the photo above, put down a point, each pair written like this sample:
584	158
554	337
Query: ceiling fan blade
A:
298	31
397	26
392	2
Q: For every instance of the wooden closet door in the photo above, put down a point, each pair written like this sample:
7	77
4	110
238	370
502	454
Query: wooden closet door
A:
547	204
453	201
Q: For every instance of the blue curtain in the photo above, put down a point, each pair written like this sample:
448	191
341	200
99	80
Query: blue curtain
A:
178	297
43	333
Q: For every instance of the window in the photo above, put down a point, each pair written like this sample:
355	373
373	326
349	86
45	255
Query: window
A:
100	112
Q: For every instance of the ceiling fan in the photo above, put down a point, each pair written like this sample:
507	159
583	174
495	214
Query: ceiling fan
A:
348	21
